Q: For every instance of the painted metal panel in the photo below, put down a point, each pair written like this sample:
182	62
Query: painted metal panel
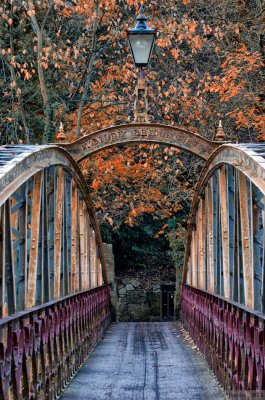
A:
58	232
224	222
246	240
34	240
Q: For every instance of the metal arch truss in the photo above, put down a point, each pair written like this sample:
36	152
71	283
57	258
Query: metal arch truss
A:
141	133
54	305
223	296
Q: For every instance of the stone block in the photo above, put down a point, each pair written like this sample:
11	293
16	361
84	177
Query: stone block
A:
157	288
125	281
122	291
150	296
121	286
129	287
135	283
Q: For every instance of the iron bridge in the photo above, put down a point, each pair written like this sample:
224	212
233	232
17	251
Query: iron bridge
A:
54	293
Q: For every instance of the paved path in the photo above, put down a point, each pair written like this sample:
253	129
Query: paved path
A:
144	361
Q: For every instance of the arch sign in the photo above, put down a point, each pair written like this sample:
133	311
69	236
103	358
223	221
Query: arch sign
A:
141	133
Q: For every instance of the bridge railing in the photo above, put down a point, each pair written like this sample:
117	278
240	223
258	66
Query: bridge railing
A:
54	298
50	243
41	349
223	296
231	336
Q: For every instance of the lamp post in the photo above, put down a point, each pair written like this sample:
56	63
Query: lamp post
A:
141	40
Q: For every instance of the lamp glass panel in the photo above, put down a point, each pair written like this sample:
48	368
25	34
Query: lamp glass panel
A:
141	47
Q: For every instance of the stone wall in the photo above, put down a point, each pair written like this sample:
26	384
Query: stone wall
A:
137	303
132	298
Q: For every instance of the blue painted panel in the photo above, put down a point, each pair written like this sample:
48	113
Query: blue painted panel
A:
216	200
231	210
51	178
258	246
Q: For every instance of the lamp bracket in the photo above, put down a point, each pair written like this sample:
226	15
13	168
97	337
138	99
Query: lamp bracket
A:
141	101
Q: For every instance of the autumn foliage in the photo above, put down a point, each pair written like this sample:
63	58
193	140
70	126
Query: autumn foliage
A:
68	61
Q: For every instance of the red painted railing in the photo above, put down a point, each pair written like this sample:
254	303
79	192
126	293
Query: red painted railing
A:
41	349
232	338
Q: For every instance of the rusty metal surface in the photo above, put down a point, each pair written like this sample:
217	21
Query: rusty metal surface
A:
224	172
19	163
41	350
231	337
53	307
223	293
141	133
249	158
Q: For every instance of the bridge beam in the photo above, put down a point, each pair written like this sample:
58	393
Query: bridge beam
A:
141	133
225	229
247	245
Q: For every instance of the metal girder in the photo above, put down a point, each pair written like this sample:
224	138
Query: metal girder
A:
247	158
34	232
19	165
141	133
230	199
58	232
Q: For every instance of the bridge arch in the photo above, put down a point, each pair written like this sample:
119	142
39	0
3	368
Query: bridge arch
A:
226	217
141	133
223	289
48	225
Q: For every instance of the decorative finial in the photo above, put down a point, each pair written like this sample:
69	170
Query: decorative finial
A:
141	9
220	135
61	136
141	17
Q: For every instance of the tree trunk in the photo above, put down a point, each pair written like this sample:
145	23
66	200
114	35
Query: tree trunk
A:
18	90
46	104
89	72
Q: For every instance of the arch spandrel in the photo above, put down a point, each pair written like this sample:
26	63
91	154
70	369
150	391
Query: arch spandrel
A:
141	133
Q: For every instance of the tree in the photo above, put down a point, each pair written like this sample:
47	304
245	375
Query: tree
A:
69	61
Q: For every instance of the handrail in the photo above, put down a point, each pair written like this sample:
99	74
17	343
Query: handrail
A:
44	306
230	302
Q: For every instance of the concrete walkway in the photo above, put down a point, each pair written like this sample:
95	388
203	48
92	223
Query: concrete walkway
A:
144	361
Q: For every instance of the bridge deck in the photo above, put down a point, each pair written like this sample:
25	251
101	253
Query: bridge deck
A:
148	361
